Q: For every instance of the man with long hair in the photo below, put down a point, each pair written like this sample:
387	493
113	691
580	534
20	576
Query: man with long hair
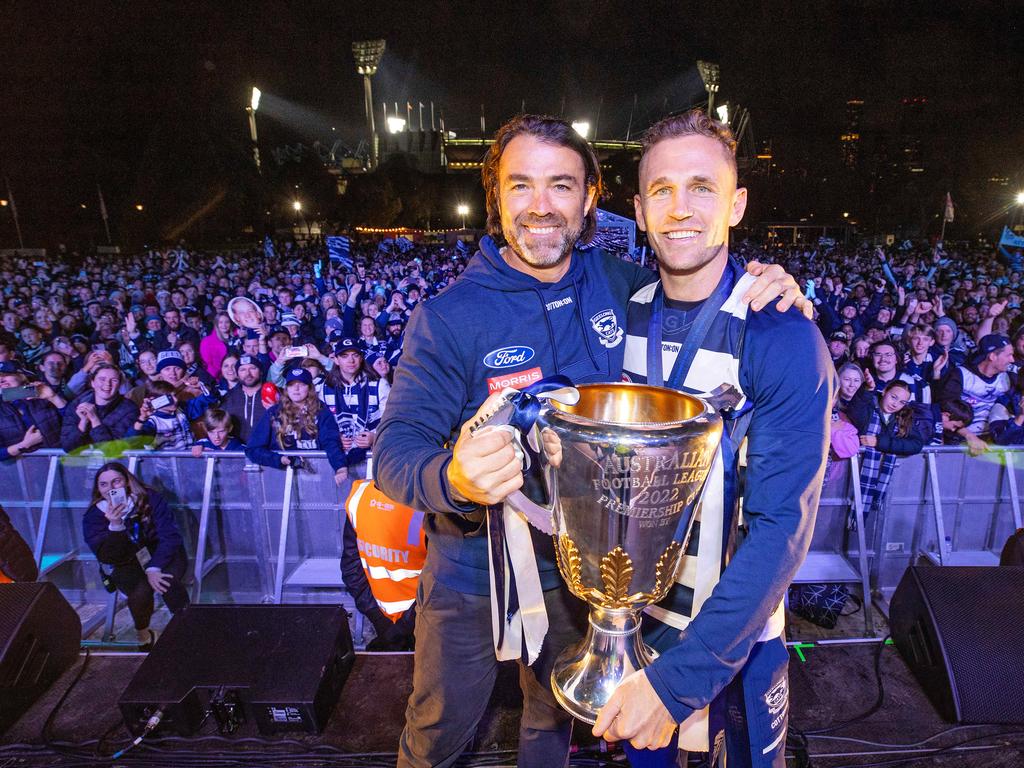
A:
529	305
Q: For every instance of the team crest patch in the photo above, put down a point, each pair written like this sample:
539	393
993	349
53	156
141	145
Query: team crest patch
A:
777	697
607	327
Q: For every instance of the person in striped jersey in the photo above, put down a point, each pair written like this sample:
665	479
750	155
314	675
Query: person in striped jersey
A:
721	676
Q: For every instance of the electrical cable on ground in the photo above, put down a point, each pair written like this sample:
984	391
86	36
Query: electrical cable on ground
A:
44	733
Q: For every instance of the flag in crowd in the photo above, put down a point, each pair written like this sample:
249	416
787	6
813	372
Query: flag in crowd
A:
339	248
1010	240
268	248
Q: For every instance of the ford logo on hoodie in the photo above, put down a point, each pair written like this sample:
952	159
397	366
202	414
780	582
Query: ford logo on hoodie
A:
508	357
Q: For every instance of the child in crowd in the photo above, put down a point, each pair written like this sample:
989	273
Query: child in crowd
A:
218	434
161	417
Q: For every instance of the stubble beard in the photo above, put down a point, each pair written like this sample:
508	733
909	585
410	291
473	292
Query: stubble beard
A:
547	256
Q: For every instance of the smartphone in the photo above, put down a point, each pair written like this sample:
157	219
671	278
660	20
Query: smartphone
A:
99	347
160	402
293	352
11	394
118	496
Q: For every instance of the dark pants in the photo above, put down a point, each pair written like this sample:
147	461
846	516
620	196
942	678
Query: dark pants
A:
758	705
455	673
132	581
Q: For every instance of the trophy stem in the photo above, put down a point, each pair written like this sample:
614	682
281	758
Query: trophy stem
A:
586	674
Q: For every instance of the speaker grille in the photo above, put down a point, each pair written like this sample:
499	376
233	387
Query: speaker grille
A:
15	602
979	615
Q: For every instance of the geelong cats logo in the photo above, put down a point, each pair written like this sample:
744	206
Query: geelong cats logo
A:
607	327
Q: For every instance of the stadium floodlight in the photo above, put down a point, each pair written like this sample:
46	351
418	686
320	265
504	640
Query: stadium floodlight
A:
1020	198
396	124
254	104
710	74
723	113
582	127
463	210
297	206
368	54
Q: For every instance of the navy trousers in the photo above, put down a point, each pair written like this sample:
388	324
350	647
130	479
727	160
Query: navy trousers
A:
757	703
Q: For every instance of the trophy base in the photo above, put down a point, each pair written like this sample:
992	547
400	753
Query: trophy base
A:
586	674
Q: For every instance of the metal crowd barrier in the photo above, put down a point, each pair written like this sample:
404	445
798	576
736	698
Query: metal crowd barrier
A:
256	534
253	534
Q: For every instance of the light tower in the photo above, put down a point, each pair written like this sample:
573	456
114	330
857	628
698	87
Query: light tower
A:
709	74
367	54
254	104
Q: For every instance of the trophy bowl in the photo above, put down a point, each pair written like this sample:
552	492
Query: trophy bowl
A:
625	469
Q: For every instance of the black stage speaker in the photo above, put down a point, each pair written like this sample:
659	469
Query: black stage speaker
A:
961	632
40	634
282	666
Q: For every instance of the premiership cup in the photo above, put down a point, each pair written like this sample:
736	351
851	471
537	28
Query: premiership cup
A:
624	468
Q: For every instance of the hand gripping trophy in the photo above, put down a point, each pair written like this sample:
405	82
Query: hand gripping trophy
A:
624	467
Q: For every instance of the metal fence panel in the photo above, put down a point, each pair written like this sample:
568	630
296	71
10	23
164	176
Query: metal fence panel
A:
230	514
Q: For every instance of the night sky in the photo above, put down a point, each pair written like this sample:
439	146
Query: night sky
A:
98	93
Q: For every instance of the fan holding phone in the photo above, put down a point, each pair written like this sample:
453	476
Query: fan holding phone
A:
130	527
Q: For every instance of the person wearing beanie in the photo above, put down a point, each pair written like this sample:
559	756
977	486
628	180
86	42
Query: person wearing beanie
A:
949	340
244	403
356	396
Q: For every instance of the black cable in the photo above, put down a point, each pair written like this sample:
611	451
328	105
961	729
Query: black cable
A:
796	742
874	707
938	752
44	734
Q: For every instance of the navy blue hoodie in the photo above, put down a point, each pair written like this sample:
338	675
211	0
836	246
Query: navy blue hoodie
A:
494	327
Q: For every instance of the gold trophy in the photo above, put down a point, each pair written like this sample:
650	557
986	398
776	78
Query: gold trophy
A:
624	467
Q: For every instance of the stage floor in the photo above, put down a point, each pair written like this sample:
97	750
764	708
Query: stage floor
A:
832	683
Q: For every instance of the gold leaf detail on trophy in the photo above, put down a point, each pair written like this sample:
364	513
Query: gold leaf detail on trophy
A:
616	574
571	565
665	571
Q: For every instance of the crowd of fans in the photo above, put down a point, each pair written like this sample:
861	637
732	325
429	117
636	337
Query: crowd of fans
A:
927	344
146	349
274	352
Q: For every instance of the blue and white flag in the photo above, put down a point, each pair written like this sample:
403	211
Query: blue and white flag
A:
461	247
339	248
1010	240
268	248
404	244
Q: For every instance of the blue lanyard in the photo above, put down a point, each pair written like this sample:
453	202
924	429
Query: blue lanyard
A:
694	338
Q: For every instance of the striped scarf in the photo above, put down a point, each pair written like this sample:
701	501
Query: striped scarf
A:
875	472
713	374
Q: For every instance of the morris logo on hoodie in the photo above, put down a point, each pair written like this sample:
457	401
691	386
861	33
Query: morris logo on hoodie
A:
517	380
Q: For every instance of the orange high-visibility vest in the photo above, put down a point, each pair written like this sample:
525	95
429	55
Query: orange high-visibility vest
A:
392	546
4	579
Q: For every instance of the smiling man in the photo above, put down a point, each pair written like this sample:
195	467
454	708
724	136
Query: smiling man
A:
719	630
528	306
